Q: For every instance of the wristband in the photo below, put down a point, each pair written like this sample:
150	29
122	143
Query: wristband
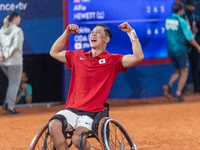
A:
133	36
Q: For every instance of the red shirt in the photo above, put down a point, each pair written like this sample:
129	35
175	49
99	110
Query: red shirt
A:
91	79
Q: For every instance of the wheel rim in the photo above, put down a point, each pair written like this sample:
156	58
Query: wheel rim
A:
116	137
42	140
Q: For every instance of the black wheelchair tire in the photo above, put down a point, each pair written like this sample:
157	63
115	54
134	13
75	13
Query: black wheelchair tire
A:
38	142
113	135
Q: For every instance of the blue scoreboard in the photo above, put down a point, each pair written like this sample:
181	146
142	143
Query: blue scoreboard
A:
147	17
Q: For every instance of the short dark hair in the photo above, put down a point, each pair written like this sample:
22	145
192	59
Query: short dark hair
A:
12	14
191	2
107	31
177	7
25	73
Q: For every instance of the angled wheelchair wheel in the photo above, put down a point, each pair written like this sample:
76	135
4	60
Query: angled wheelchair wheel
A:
42	140
113	135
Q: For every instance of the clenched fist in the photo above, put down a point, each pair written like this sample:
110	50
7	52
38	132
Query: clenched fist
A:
72	29
125	27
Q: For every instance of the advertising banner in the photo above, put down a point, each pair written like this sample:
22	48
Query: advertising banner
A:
42	22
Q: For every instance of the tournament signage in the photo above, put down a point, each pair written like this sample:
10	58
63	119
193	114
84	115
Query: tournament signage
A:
42	22
147	17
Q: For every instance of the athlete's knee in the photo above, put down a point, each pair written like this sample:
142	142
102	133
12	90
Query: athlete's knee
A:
57	123
177	71
54	127
184	71
76	140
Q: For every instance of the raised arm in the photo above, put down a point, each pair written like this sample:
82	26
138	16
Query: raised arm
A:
57	48
132	60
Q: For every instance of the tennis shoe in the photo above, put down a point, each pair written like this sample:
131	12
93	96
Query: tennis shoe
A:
179	98
167	91
5	106
12	112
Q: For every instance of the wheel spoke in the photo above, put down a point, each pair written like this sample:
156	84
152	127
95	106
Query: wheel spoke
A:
116	136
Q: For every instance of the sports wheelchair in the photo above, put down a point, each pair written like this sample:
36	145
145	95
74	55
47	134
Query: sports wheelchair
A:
110	133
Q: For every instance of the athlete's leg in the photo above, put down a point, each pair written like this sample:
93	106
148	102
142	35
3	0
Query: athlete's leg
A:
56	132
84	123
174	76
76	138
183	63
182	81
167	88
14	74
64	120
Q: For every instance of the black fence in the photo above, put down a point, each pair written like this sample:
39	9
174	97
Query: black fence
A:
45	76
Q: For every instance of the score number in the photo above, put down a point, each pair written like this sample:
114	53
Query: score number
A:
155	9
156	31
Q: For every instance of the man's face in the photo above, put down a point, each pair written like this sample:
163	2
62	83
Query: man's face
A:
191	8
24	77
97	37
182	12
17	20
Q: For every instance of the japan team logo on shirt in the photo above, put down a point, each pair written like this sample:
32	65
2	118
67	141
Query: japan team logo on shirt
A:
102	61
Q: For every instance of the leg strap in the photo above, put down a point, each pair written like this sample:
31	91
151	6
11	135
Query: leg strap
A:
62	119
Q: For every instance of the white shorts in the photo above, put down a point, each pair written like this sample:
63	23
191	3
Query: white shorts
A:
77	120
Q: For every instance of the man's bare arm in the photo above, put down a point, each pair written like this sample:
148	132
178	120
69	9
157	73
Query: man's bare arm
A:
132	60
57	48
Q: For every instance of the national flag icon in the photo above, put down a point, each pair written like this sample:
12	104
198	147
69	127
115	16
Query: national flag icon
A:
102	61
77	46
77	1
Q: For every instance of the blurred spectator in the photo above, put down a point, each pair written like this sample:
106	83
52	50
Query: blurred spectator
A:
178	33
11	44
194	23
24	95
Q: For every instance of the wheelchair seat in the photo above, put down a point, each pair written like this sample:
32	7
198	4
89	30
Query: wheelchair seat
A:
94	132
99	116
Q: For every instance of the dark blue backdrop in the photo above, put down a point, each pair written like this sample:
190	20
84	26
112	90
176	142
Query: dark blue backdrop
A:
42	22
146	16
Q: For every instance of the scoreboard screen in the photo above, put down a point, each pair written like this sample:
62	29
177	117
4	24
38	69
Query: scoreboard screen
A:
147	17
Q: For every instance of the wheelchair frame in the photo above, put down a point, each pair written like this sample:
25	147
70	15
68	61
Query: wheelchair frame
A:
110	133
